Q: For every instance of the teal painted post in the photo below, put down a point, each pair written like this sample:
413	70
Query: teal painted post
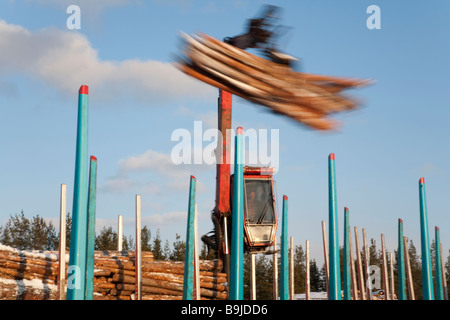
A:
335	272
237	223
91	229
401	263
284	266
188	283
427	278
347	271
76	271
439	287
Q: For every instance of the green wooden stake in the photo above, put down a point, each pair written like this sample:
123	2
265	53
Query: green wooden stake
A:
91	229
188	284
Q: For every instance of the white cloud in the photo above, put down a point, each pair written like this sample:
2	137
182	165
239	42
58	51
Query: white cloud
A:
430	168
165	219
151	165
66	60
152	172
150	160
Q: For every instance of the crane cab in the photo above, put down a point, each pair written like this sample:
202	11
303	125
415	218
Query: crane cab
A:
260	218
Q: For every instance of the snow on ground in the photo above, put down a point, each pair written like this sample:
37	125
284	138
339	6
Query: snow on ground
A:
36	254
312	296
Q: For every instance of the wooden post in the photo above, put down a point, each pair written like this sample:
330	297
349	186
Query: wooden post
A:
284	266
347	274
196	258
188	277
307	282
236	286
62	243
335	273
275	270
325	254
362	288
366	262
76	287
90	242
291	270
392	276
138	257
427	276
252	276
385	272
120	233
408	270
352	268
401	263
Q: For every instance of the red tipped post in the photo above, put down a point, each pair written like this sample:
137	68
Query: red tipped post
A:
76	284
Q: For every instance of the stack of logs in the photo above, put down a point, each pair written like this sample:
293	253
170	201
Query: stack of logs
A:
114	276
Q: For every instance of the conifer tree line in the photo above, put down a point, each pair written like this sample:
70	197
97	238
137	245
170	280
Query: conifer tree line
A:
23	233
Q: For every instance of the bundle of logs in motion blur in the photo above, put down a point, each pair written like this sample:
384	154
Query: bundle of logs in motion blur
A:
267	80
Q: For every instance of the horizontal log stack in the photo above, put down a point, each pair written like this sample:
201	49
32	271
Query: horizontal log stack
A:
32	275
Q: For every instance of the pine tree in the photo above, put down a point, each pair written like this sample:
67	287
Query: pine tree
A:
416	270
157	247
68	229
447	271
128	243
16	232
179	249
264	277
24	234
323	279
146	236
166	250
106	240
42	236
299	269
314	276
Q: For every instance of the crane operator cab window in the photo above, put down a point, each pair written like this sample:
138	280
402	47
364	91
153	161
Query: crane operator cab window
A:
259	212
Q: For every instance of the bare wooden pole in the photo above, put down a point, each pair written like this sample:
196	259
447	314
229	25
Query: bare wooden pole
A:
385	272
352	268
252	276
366	262
408	270
307	282
62	243
120	233
275	270
362	288
325	254
291	269
392	276
138	262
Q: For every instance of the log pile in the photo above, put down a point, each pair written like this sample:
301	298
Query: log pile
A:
161	280
307	98
32	275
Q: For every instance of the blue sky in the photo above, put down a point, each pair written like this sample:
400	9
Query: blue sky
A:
124	51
